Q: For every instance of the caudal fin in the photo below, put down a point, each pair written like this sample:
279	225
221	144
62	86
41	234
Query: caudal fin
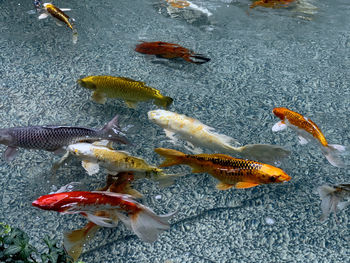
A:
329	200
172	157
74	241
164	102
264	152
334	153
112	132
146	224
198	59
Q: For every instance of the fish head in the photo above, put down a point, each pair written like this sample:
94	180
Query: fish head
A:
51	202
270	174
87	83
280	113
37	4
81	149
160	117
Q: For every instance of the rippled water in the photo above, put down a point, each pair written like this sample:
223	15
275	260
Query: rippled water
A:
297	57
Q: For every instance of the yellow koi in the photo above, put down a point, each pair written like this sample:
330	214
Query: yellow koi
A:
129	90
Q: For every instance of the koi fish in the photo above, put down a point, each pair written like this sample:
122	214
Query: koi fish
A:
271	3
331	197
142	220
230	171
48	9
197	134
169	50
131	91
75	240
97	154
307	130
56	138
188	5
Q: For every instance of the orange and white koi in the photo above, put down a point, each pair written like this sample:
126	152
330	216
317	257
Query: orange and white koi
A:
230	171
197	134
142	220
60	16
307	130
331	197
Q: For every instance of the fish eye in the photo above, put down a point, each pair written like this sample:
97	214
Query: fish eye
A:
273	178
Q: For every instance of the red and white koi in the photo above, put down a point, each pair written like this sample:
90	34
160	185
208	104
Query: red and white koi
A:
142	220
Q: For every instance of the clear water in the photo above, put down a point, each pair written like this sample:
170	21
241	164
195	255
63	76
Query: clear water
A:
295	57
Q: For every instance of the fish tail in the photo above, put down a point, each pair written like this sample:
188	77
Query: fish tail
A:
198	59
333	153
164	102
112	132
146	224
75	240
75	35
263	152
329	200
172	157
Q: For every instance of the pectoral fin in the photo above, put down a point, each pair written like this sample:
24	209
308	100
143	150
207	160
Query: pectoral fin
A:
279	126
90	167
243	185
198	170
10	153
303	140
43	16
171	136
98	97
131	104
223	186
65	9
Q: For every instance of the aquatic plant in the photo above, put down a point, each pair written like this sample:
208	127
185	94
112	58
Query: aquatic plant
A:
15	248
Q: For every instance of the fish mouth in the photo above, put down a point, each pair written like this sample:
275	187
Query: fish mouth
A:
36	203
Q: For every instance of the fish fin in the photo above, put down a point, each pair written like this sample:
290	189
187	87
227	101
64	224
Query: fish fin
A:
43	16
243	185
333	153
329	200
279	126
74	241
98	97
224	186
113	131
100	220
58	164
264	152
90	167
199	59
190	147
222	137
172	157
134	193
58	23
65	9
67	188
104	143
197	170
10	153
171	136
164	102
166	180
75	36
343	205
303	140
131	104
147	225
31	12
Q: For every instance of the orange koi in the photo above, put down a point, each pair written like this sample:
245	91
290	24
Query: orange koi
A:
230	171
75	240
178	3
308	130
170	51
271	3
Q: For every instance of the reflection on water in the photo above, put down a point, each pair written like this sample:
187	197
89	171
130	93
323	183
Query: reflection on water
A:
260	58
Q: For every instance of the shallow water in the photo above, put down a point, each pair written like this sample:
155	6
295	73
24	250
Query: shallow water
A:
260	58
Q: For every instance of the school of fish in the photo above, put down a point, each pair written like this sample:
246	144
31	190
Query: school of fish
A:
117	200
